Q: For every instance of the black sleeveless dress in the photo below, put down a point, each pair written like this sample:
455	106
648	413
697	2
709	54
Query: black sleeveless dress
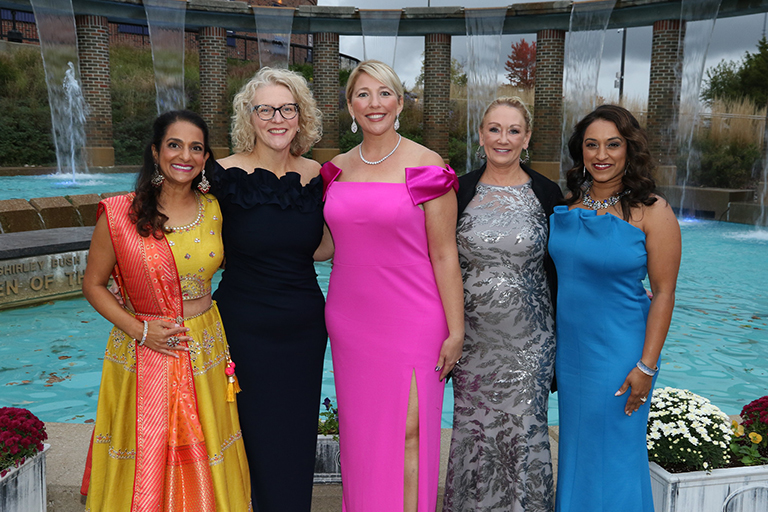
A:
272	309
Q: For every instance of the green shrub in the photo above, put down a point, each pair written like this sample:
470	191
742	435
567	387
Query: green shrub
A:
719	165
25	116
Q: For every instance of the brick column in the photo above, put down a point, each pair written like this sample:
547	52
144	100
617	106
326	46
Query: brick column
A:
213	87
326	90
664	95
548	103
437	92
93	53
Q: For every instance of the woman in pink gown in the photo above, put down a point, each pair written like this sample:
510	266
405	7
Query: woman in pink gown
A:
394	310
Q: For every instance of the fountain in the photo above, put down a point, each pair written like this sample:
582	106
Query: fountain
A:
583	51
58	45
379	29
273	28
697	37
483	27
165	19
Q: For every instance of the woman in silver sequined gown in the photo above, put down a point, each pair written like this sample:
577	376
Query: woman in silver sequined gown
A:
500	456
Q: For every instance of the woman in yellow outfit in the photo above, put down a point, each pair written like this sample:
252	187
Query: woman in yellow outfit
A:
167	435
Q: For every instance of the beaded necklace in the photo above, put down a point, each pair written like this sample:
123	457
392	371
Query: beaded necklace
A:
594	204
360	150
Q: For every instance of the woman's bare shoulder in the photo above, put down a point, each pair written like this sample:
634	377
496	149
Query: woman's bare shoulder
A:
234	160
420	156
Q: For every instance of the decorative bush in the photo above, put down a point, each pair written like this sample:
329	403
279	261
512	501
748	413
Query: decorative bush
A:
686	432
329	420
750	441
21	436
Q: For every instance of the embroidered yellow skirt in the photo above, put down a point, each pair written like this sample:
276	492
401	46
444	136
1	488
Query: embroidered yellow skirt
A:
205	467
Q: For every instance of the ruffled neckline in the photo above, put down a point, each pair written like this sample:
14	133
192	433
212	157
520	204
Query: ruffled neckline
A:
592	216
262	186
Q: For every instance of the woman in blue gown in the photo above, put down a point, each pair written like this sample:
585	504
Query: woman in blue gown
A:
612	231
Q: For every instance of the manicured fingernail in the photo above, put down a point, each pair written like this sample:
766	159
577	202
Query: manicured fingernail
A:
616	394
437	368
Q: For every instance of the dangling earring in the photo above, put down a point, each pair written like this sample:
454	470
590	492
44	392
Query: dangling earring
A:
524	160
397	122
480	153
625	168
584	172
157	178
204	186
353	128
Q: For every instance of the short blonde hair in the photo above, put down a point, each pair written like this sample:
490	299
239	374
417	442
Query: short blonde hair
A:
514	102
378	71
310	123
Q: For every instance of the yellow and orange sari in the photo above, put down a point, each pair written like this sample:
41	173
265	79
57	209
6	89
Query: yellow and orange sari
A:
165	438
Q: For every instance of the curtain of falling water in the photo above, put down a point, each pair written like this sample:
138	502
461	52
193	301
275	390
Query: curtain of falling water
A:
583	52
58	45
380	34
274	26
483	28
696	44
165	19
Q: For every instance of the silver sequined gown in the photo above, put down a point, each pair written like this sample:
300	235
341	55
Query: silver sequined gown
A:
500	457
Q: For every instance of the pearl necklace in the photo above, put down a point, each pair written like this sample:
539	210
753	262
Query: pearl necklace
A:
360	150
594	204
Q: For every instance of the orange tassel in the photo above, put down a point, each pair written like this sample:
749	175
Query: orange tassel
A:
237	385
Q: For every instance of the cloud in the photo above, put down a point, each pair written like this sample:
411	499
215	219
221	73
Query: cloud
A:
731	38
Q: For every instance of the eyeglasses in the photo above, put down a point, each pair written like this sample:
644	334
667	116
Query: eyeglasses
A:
267	112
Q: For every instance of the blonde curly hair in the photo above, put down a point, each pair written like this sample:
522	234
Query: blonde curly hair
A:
310	117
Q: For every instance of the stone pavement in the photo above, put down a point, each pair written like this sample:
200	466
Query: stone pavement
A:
69	447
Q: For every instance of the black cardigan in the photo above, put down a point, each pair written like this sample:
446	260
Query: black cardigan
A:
547	192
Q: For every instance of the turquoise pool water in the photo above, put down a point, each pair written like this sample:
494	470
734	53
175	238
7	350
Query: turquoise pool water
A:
27	187
51	354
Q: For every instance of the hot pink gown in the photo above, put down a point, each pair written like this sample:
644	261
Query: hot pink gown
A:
386	323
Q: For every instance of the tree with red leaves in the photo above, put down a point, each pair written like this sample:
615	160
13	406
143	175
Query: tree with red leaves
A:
521	65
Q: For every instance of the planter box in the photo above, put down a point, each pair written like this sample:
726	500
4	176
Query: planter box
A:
721	490
327	462
23	488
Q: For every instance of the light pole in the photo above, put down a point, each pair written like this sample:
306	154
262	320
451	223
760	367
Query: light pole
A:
623	53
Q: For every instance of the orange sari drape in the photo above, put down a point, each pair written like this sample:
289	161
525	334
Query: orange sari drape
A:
171	461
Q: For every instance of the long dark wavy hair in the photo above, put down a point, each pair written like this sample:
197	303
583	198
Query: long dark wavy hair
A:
144	210
638	176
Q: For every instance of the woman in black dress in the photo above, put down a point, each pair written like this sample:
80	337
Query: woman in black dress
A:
270	302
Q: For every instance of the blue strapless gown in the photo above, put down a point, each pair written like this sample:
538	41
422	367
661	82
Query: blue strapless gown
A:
602	310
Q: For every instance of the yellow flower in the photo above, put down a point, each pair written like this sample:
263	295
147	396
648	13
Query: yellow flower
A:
738	430
755	437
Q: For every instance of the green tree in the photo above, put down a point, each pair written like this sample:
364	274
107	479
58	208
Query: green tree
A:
733	80
458	76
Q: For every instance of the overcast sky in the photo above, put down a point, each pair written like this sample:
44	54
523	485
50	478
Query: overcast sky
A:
731	38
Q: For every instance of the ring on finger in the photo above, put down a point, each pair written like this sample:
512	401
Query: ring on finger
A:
643	399
173	341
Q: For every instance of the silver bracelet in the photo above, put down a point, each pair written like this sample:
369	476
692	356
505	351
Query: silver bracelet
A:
143	335
646	369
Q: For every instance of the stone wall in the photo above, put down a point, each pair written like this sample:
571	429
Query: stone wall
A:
17	215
